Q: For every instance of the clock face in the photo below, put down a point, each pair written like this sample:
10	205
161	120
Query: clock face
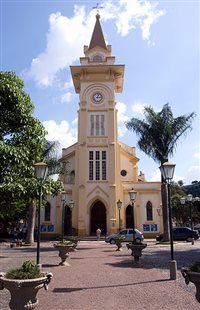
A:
97	97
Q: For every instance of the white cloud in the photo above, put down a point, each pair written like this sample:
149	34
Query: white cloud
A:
138	108
122	118
121	107
68	85
67	35
66	97
156	176
130	14
75	121
197	155
65	40
193	174
60	132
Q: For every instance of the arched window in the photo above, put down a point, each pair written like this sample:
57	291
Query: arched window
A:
72	176
149	211
47	212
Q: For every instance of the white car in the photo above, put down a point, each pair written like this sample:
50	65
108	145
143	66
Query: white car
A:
127	233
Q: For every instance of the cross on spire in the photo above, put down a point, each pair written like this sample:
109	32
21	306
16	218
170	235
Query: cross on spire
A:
98	7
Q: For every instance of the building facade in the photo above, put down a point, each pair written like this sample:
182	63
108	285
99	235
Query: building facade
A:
101	169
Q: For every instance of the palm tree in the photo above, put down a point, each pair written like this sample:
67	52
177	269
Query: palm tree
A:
158	136
50	157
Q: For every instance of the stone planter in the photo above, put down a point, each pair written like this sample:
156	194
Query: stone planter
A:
136	249
64	250
23	292
194	277
118	243
75	241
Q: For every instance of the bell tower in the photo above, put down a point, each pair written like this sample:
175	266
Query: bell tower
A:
97	80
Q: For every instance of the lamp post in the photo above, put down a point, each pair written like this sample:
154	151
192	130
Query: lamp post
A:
167	171
71	206
119	205
189	199
132	196
63	199
183	200
41	170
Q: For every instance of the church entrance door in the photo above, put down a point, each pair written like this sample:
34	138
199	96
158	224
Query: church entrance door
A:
129	217
67	220
98	218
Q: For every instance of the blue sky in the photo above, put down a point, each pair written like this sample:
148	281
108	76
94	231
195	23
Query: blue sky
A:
158	41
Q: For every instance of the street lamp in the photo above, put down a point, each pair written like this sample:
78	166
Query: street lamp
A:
63	199
183	200
132	196
119	205
71	206
167	171
189	199
41	170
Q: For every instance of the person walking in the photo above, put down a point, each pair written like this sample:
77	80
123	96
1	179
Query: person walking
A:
98	233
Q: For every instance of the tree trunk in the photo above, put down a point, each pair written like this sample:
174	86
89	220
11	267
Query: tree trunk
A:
165	211
31	223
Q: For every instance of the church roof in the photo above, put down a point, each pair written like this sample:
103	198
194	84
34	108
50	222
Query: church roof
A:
97	36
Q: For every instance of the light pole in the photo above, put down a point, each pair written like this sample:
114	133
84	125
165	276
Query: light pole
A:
41	170
132	196
183	200
71	206
119	205
63	199
189	199
167	171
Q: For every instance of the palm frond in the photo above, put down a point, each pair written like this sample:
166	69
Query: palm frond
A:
159	132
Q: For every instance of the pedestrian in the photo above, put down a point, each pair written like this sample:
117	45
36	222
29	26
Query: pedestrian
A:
98	233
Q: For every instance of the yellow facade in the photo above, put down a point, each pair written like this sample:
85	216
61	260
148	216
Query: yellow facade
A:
100	168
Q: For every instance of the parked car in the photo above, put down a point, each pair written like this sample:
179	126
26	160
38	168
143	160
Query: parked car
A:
181	233
197	227
127	233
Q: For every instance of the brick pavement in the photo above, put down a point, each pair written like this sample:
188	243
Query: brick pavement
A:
101	278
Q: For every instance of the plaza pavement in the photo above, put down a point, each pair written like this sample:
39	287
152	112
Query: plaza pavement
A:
99	278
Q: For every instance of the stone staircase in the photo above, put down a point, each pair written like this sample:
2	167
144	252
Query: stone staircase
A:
91	238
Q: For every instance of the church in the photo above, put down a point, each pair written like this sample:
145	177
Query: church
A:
100	169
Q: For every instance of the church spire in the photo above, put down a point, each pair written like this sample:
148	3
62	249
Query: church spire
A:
97	36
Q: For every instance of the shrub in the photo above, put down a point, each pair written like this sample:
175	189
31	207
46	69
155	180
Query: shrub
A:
195	267
29	270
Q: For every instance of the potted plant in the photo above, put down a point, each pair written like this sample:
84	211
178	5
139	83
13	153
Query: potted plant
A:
192	274
23	285
74	240
118	241
64	247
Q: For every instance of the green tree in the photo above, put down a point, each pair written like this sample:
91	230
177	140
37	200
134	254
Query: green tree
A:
22	143
179	213
158	135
